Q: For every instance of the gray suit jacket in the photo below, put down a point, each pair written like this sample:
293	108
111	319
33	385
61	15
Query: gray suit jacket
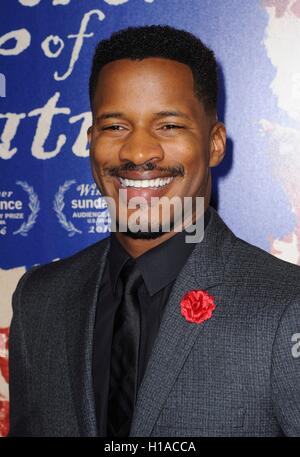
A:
236	374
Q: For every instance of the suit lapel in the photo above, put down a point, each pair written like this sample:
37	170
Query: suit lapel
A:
203	270
80	319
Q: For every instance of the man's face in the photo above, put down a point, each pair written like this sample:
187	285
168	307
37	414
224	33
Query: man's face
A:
149	125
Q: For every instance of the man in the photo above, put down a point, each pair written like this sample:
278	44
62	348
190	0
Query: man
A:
207	345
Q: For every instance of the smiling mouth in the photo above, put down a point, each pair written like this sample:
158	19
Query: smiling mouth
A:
145	183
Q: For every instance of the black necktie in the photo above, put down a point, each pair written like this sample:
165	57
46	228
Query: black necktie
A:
124	355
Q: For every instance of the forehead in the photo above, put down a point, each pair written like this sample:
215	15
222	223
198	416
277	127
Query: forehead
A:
157	65
150	79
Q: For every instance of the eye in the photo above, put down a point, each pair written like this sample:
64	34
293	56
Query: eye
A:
171	127
114	127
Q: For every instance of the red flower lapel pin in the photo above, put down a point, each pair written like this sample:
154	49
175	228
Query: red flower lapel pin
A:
197	306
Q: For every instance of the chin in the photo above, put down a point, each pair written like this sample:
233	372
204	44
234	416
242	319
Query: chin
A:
146	235
139	235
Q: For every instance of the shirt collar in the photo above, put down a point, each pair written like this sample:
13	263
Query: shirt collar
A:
159	266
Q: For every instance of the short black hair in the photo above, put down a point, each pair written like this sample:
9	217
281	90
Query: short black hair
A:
138	43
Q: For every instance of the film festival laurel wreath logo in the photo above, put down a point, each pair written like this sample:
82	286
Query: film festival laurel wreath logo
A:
81	209
18	210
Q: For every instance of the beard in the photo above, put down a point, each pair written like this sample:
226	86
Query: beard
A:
146	235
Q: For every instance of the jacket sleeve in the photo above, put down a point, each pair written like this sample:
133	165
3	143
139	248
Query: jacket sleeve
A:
285	370
18	368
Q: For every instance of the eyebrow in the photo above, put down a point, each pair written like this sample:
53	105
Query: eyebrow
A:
109	115
172	113
168	113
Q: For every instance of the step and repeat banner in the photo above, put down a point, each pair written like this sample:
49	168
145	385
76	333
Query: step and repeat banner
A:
49	206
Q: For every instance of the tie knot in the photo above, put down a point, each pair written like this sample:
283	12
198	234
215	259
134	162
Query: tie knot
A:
131	277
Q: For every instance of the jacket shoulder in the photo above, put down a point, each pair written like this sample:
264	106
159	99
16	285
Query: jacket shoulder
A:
58	276
251	263
74	262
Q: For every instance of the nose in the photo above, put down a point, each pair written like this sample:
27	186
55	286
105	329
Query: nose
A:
141	147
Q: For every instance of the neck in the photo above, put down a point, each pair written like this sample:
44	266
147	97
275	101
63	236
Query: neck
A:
136	247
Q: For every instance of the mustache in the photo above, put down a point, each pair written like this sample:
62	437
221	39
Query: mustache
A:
116	171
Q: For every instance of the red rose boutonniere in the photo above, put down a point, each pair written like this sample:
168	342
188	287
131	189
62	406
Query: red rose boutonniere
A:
197	306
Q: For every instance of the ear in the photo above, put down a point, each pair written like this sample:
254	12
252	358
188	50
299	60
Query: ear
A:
89	134
217	144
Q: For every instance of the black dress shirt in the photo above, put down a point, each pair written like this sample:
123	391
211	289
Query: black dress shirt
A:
159	267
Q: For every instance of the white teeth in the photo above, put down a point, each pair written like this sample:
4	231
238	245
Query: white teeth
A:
145	182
